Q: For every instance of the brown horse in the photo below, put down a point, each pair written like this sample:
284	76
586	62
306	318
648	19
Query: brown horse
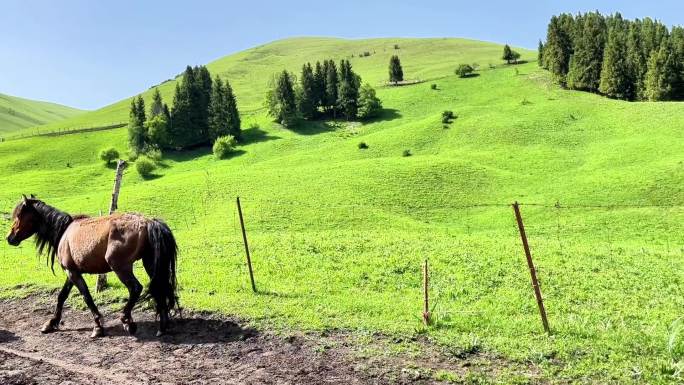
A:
85	245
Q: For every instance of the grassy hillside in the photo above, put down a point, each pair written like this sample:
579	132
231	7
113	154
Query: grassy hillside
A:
338	234
17	113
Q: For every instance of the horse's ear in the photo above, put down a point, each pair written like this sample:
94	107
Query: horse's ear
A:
33	196
25	198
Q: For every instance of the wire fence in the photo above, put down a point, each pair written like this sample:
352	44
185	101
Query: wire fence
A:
369	249
38	132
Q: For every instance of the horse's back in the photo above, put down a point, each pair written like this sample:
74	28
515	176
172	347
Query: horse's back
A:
89	243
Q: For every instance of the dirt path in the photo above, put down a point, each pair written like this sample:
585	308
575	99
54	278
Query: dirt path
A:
203	349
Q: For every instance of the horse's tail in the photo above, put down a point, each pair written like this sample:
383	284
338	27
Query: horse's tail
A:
160	264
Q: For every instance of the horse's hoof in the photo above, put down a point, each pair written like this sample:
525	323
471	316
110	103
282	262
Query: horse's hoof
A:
49	327
130	327
160	333
98	331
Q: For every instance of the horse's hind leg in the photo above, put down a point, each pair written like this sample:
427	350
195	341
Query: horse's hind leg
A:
134	289
77	279
52	324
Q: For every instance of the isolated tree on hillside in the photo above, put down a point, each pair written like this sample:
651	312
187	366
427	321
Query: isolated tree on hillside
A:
396	73
464	70
306	95
584	72
509	55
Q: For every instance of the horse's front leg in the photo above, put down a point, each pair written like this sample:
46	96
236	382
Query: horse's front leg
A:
53	323
77	279
134	289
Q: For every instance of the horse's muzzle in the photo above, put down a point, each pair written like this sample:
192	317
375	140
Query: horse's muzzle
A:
12	240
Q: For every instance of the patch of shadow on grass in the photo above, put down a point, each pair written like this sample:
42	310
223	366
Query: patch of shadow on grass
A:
386	114
256	135
233	154
471	75
151	176
189	154
313	127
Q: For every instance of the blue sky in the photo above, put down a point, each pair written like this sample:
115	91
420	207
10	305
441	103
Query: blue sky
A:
88	53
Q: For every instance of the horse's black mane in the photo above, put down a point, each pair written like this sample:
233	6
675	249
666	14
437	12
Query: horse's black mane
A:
50	230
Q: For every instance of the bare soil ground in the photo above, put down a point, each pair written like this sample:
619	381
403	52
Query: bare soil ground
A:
207	349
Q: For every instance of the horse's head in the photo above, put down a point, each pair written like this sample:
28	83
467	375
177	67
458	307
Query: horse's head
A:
25	221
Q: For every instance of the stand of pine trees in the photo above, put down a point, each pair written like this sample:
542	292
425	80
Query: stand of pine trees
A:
203	110
622	59
323	90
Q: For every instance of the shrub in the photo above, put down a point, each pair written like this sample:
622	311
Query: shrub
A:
369	104
433	86
154	154
406	153
447	116
362	145
223	146
464	70
145	166
396	46
109	154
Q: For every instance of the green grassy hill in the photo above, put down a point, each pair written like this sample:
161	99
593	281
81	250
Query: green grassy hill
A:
338	234
17	113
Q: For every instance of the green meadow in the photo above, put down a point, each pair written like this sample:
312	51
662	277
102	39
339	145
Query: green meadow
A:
18	113
338	234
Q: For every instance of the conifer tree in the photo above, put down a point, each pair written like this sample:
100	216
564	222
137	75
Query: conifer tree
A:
281	101
218	114
136	126
540	54
616	75
509	55
306	97
584	72
331	84
636	59
558	47
661	75
348	93
234	120
181	124
319	85
204	86
157	106
396	73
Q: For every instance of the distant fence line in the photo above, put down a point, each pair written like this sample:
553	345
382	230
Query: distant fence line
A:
63	131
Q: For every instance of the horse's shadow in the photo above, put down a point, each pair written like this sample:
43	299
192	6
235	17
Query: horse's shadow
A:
193	330
7	336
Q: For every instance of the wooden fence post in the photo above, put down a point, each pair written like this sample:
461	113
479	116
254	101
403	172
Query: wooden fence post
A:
120	165
533	272
244	240
426	304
